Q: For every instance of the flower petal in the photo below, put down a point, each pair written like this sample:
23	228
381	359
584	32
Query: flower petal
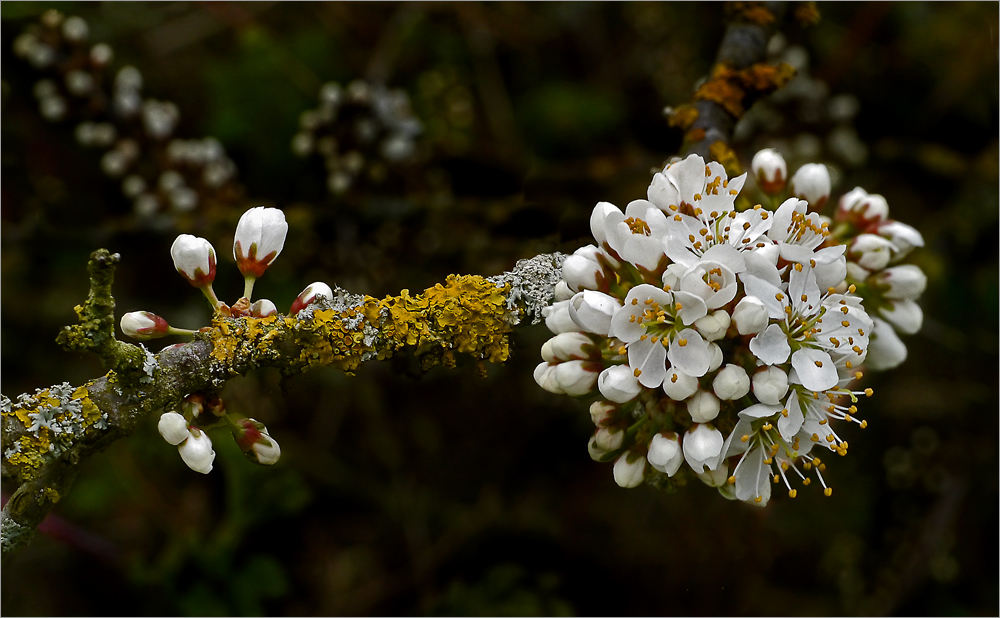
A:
815	369
771	346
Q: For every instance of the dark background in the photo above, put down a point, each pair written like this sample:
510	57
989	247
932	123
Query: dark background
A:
447	493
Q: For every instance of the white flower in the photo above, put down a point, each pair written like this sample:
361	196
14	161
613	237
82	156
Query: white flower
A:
885	350
665	453
770	384
904	238
812	183
800	234
653	325
313	292
679	385
609	438
567	346
906	282
703	407
731	383
750	316
635	236
870	251
267	450
629	473
691	184
173	427
905	315
194	259
702	445
263	308
770	170
714	325
557	318
144	325
592	311
861	209
582	270
197	451
618	384
260	236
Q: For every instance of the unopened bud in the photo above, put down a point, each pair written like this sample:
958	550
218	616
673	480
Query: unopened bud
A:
557	318
750	316
173	427
263	308
260	237
665	453
582	270
811	183
592	311
629	473
906	282
197	451
567	346
144	325
312	293
870	251
714	325
194	259
770	385
679	385
702	445
609	438
257	445
904	238
770	170
731	383
703	406
618	384
862	210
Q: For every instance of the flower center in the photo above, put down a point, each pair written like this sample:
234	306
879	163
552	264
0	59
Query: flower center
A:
638	226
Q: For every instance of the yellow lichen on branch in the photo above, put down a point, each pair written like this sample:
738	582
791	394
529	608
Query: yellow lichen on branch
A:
735	89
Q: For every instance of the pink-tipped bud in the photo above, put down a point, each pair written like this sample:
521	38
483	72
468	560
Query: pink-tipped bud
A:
194	259
263	308
260	236
144	325
862	210
770	170
309	295
258	446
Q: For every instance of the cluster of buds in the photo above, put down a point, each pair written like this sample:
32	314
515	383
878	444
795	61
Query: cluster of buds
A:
159	173
260	237
360	131
187	431
876	246
727	341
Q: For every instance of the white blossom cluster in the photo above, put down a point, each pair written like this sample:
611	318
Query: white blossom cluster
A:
357	130
720	341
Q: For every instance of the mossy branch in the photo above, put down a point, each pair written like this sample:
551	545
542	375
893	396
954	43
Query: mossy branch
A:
739	78
47	434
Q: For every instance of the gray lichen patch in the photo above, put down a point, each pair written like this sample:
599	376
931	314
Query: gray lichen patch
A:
532	285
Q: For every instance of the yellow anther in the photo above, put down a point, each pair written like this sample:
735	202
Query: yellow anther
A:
814	438
846	323
828	492
642	337
775	479
858	375
845	310
812	263
637	372
635	301
792	493
622	350
852	288
869	392
767	426
824	421
848	364
804	298
744	438
785	412
779	297
806	481
648	301
684	342
864	424
818	363
798	267
673	379
731	480
654	338
758	499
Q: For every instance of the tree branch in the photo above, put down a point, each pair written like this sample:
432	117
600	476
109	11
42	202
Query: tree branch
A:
45	435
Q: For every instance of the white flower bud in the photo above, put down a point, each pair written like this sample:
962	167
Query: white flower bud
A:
609	438
562	292
597	221
714	325
885	349
770	385
596	453
861	209
703	406
870	251
716	360
665	453
592	311
716	478
770	169
731	383
557	318
811	183
581	270
197	451
629	474
600	411
311	294
173	427
904	238
567	346
194	259
574	378
263	308
750	316
267	454
679	385
260	237
544	375
906	282
75	29
702	445
144	325
906	316
618	384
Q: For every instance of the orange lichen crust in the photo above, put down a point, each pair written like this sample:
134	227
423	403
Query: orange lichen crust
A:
725	155
750	12
735	89
806	14
236	339
52	420
683	117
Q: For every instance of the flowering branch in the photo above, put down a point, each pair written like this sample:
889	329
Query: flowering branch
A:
45	435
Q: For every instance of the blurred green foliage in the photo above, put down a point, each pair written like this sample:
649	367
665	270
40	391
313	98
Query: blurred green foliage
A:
444	493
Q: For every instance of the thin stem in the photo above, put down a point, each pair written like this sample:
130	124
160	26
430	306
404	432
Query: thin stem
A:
248	287
180	331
